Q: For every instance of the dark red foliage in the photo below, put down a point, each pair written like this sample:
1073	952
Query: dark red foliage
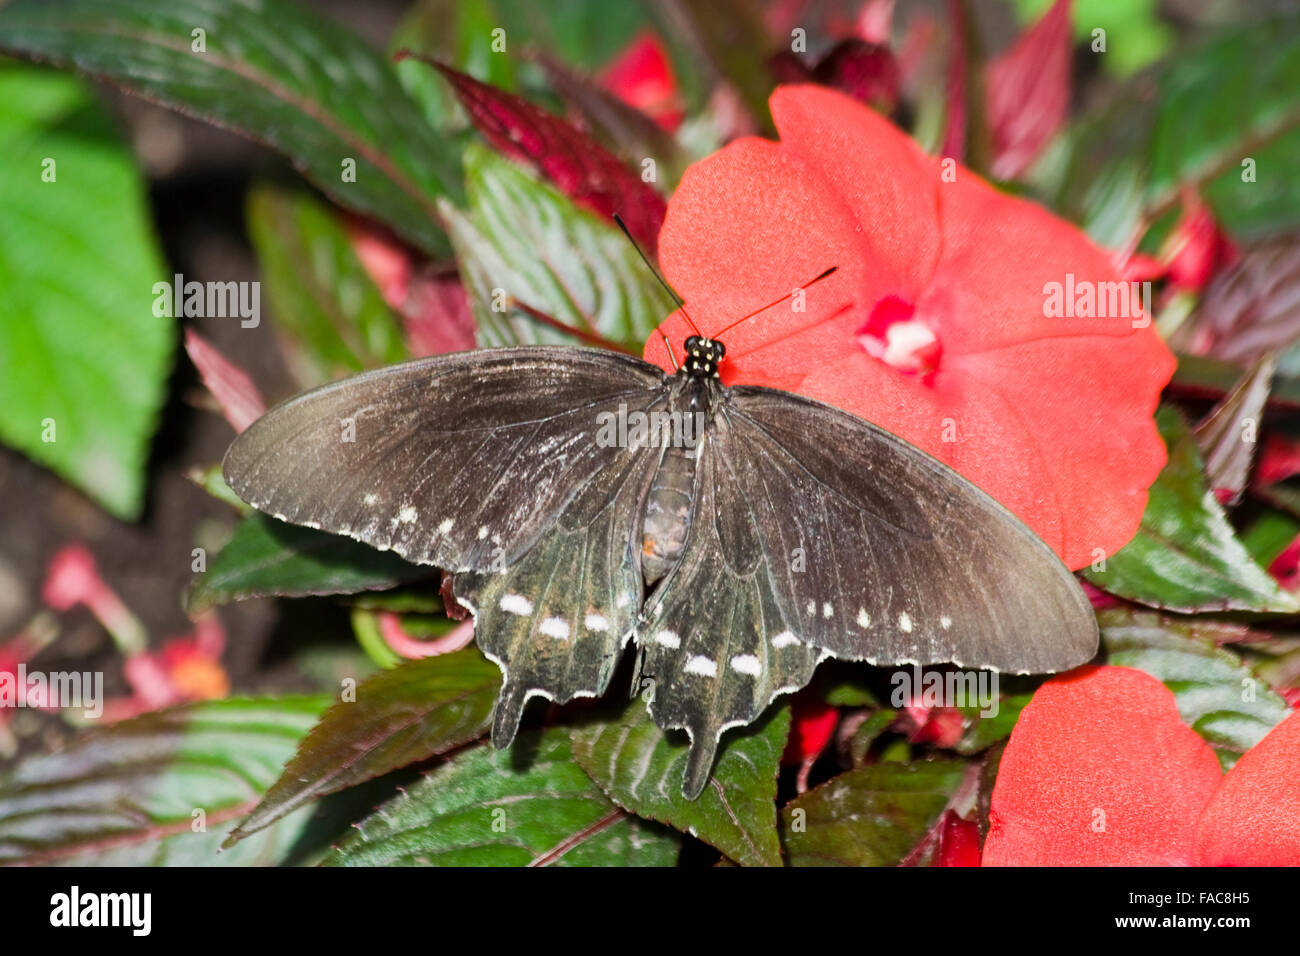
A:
868	72
580	167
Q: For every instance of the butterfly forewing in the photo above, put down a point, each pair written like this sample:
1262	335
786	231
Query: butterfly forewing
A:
459	461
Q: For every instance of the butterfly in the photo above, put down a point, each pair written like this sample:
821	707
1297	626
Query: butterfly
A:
583	499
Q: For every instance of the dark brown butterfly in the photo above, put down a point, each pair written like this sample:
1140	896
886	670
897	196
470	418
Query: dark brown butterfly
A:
738	538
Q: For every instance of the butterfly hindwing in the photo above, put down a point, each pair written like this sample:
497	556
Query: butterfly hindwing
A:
558	618
713	638
459	461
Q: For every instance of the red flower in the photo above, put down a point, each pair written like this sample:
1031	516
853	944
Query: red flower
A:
1197	248
186	668
812	724
1285	568
642	77
935	325
1101	770
434	308
923	724
73	578
959	841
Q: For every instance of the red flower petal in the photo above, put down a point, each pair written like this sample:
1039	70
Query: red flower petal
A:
1251	819
1197	248
1100	771
641	76
959	841
1051	415
813	723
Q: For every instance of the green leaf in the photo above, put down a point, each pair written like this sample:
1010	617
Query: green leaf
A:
1186	556
873	725
1222	102
266	558
524	240
1269	536
1202	377
83	359
731	37
641	767
210	479
1228	99
320	292
270	69
983	732
874	816
1217	695
586	33
129	794
1227	435
400	716
457	32
526	805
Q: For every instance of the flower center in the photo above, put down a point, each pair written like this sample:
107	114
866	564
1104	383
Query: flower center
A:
896	337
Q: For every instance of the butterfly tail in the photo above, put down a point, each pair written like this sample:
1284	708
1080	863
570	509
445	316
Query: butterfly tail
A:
510	709
699	764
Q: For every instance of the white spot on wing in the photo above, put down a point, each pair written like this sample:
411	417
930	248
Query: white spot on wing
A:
555	627
702	665
905	623
864	619
482	532
446	525
812	608
747	664
827	611
408	515
596	622
945	622
370	499
517	604
785	639
668	639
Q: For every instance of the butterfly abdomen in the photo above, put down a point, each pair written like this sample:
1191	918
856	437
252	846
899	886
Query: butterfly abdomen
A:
667	513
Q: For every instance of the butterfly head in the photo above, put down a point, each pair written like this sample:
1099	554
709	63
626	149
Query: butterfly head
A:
703	356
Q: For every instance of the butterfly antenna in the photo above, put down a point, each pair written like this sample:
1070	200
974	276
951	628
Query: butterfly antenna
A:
663	282
788	295
672	356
